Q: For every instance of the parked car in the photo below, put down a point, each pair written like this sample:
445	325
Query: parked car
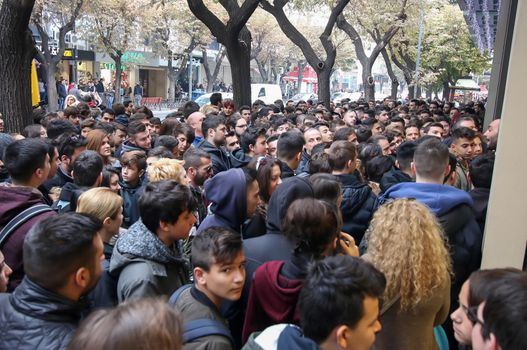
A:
205	98
353	96
305	97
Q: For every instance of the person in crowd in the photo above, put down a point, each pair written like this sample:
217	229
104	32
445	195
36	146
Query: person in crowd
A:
139	139
474	291
124	327
118	137
478	145
110	179
28	164
72	114
358	200
5	273
219	274
268	177
375	169
327	187
195	121
146	260
453	208
170	143
411	132
87	173
107	206
462	147
107	116
315	227
289	151
417	295
253	144
312	137
157	153
34	131
480	170
500	323
69	147
62	256
402	171
133	168
228	108
350	290
167	169
86	126
198	165
492	134
99	141
185	136
234	195
214	130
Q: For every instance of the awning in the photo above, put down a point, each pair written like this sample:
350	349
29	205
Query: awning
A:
309	75
466	84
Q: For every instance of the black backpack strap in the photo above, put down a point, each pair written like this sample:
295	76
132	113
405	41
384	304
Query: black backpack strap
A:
204	327
174	297
21	219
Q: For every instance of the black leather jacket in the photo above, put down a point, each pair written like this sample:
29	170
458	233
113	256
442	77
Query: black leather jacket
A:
35	318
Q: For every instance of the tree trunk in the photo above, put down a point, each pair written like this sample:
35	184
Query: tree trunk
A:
212	76
263	72
323	80
53	98
171	78
239	55
418	91
446	91
428	93
411	90
117	58
391	74
16	51
368	82
301	66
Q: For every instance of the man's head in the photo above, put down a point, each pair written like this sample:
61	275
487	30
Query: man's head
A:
350	118
289	147
245	112
214	130
27	161
435	129
465	122
349	290
198	165
431	162
346	134
128	107
216	99
412	132
481	169
462	145
272	145
342	156
195	121
72	114
219	264
133	166
63	254
312	138
138	135
325	132
87	169
405	156
108	116
167	209
253	142
492	134
501	322
382	115
189	108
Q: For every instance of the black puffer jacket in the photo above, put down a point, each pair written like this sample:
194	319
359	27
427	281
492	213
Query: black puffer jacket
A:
34	318
358	205
220	159
393	177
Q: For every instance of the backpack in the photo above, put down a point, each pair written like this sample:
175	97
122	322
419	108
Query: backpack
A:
203	327
20	219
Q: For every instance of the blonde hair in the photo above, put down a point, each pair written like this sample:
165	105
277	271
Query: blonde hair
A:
407	244
100	202
167	169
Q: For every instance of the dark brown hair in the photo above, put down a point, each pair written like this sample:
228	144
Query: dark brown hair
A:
340	153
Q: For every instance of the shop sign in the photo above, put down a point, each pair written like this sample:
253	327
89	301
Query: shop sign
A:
133	57
111	66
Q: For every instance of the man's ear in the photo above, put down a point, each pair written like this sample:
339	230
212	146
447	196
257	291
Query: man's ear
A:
343	336
412	167
299	156
82	277
200	276
251	148
141	172
447	169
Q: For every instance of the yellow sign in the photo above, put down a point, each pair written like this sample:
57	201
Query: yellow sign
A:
68	53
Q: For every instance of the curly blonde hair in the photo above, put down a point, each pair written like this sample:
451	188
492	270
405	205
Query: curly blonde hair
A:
167	169
407	244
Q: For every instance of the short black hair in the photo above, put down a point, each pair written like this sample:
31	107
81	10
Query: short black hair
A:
250	136
337	286
23	157
161	152
480	170
215	245
87	168
363	133
167	141
58	127
69	142
504	312
343	134
135	127
326	187
58	246
211	122
463	133
405	154
190	107
289	144
215	98
164	201
192	157
378	166
431	158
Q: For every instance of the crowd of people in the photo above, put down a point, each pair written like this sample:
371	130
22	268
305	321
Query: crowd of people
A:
283	226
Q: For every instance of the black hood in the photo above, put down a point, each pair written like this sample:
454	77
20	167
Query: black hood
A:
291	189
393	177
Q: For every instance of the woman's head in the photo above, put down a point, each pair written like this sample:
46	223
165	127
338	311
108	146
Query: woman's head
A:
412	253
314	225
228	107
168	169
105	205
147	324
267	174
110	179
474	291
99	141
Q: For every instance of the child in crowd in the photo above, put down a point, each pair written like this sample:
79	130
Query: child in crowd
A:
133	168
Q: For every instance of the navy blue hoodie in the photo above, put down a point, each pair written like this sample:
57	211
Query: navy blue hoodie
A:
228	193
